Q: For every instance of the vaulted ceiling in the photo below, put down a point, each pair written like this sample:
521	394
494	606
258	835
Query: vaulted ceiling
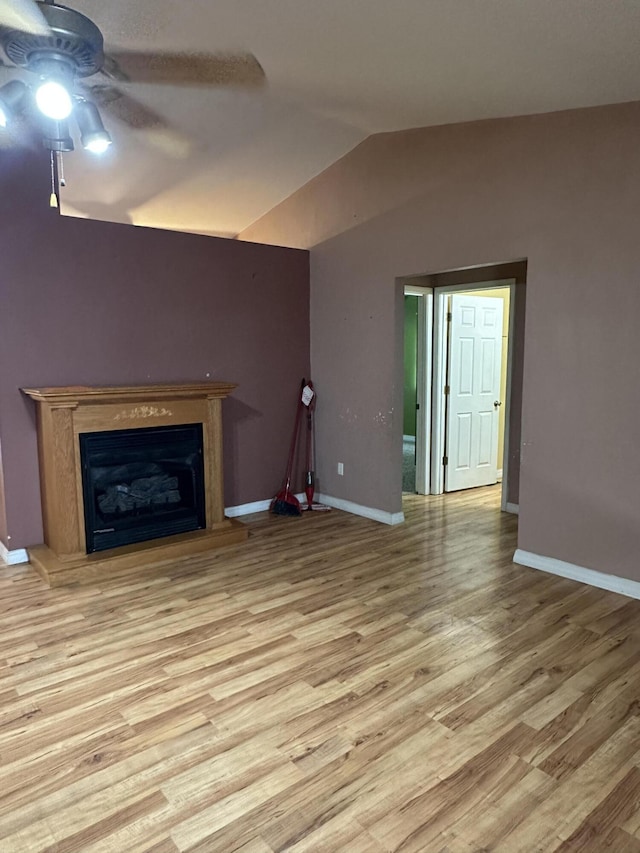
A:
337	71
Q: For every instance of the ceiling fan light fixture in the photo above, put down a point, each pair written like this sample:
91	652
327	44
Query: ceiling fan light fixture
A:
54	100
57	137
92	131
11	96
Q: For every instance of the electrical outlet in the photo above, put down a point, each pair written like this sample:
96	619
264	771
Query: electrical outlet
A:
340	468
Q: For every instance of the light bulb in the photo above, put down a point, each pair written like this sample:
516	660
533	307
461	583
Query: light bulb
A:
98	145
92	132
54	100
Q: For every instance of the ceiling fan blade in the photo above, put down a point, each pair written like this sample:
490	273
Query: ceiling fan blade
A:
125	108
24	15
157	130
185	69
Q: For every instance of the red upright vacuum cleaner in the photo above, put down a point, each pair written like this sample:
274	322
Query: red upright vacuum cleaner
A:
285	502
310	477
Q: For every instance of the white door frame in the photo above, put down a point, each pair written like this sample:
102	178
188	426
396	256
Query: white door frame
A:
423	383
440	375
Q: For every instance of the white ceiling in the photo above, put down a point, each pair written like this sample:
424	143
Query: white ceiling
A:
338	71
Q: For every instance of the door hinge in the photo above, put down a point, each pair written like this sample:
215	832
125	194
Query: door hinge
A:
445	460
447	389
449	316
417	406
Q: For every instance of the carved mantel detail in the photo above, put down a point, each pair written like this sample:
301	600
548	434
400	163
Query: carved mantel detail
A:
142	412
63	414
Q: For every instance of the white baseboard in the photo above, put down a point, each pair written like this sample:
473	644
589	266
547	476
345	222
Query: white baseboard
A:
255	506
499	474
12	558
246	509
613	583
513	508
338	503
365	511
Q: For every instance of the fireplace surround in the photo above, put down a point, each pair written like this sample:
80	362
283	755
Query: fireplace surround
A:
71	419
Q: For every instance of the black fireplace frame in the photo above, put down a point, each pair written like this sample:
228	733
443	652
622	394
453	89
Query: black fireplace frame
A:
178	449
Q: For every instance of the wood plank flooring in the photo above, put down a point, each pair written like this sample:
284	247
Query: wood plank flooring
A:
330	685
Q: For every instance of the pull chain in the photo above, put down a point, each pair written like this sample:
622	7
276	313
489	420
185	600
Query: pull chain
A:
53	198
60	164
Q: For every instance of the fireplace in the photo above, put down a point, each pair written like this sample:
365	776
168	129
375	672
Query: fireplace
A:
141	484
129	475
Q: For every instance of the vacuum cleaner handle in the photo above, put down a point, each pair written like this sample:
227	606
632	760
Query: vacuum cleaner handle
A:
294	442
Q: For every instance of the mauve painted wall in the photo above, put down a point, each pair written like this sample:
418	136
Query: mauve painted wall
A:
563	191
95	303
3	509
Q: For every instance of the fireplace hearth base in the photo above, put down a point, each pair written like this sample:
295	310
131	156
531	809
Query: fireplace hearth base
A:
63	414
100	565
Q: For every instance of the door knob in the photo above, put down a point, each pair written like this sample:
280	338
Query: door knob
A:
497	403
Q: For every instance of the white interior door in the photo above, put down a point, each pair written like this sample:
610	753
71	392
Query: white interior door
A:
475	346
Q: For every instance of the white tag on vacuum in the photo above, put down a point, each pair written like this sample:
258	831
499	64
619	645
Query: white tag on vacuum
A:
307	395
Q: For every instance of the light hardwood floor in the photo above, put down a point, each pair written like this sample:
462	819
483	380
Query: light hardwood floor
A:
330	685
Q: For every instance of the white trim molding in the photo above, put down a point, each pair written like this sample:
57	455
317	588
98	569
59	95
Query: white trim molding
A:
12	558
512	508
255	506
613	583
365	511
246	509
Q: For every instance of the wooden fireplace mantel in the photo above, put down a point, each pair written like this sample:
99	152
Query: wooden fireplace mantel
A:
75	395
66	412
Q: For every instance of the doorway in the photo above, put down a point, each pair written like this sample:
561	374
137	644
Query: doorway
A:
446	446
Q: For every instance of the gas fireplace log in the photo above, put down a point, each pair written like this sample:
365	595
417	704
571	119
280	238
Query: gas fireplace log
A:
112	475
116	499
148	486
171	497
141	493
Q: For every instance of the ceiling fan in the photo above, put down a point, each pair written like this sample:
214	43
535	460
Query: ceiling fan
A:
64	50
